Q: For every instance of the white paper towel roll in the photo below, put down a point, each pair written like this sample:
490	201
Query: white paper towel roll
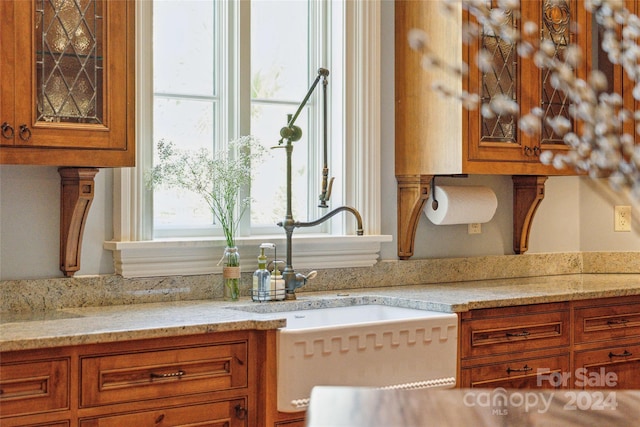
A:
462	205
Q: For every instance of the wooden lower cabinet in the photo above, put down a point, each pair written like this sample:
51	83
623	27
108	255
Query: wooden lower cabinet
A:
607	343
510	347
198	380
580	345
229	378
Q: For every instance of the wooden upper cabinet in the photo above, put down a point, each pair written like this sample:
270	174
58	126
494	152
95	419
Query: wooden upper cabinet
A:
624	85
67	83
437	136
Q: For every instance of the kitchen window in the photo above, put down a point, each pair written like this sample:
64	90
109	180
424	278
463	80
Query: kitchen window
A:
222	81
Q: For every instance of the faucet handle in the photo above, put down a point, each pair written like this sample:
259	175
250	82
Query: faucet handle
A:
302	279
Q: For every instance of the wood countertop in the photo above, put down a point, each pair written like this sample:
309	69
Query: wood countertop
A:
362	407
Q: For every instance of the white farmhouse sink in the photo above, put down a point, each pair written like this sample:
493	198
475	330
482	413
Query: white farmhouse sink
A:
365	345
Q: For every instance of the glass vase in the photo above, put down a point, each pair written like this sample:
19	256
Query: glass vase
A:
231	273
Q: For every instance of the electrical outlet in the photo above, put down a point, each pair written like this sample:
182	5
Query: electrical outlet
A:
475	228
622	218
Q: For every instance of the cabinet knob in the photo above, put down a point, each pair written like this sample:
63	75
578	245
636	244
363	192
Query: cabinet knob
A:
25	133
241	412
7	130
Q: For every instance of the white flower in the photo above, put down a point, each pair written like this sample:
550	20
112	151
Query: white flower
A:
418	39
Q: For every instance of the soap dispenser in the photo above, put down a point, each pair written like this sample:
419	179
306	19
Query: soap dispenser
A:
261	278
277	282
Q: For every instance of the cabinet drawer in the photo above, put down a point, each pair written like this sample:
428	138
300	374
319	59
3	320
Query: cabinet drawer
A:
522	373
34	387
137	376
220	414
607	321
613	366
512	334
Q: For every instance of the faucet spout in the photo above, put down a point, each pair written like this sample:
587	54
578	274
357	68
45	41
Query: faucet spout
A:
359	231
293	280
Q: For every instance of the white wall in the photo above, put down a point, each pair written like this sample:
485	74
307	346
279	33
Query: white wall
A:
30	224
573	217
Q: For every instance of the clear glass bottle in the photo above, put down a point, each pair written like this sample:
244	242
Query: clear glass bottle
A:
231	273
261	280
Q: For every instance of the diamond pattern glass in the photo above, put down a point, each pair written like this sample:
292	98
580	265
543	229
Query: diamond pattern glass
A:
69	61
556	18
499	79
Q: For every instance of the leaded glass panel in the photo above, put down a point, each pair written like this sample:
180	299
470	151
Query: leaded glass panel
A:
69	60
499	78
556	19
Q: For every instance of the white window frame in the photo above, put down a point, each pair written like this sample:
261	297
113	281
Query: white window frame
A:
136	255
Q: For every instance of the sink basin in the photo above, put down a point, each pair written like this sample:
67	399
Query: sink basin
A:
365	345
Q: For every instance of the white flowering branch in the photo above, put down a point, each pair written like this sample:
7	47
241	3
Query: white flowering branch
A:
217	179
598	144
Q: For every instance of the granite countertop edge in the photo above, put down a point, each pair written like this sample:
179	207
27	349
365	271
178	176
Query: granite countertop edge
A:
92	325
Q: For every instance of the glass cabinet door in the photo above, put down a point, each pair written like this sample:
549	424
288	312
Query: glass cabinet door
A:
74	78
495	137
498	137
555	27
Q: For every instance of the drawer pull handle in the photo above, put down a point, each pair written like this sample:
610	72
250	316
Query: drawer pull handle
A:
525	368
169	375
617	322
623	354
518	334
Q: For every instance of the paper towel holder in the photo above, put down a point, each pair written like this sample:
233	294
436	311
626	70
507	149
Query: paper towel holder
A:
432	190
434	202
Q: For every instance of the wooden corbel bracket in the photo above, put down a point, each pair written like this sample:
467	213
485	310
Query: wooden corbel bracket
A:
413	192
528	192
76	195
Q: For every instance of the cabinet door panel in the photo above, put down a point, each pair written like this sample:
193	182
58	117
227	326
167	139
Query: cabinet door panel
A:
219	414
34	387
163	374
611	367
514	334
519	373
609	319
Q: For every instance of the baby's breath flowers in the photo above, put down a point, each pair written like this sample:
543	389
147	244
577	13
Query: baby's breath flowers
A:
217	179
598	145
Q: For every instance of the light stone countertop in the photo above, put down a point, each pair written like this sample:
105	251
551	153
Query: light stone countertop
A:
87	325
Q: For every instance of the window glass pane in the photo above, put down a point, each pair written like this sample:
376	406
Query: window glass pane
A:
279	49
280	78
188	124
268	189
185	108
183	33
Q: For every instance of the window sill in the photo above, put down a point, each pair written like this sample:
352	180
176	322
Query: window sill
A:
183	257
